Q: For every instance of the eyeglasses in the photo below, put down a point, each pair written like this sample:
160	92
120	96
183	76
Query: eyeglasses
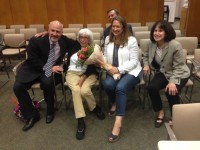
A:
83	37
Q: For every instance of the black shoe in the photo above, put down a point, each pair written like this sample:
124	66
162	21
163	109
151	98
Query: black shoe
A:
99	113
50	118
159	122
30	123
80	133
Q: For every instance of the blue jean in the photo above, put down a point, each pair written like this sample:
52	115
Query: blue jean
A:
117	90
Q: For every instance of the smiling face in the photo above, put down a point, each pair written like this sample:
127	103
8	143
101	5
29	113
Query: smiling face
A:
117	28
159	34
55	31
84	41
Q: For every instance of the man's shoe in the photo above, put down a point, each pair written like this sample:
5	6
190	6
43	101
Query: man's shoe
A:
80	133
99	113
49	118
30	123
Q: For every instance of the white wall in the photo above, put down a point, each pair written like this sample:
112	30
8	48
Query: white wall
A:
172	9
179	5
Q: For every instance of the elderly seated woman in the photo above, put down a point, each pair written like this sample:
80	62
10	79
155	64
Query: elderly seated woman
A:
80	79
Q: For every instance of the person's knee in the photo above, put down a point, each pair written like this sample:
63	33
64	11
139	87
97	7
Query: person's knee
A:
17	86
75	89
107	85
46	85
120	88
85	92
151	87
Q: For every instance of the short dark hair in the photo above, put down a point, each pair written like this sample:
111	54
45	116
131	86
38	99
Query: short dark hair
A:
170	34
116	11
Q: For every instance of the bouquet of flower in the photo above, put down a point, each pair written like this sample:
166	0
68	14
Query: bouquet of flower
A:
90	55
83	55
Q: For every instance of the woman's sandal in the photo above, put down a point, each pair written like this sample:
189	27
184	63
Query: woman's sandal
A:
111	113
113	138
159	122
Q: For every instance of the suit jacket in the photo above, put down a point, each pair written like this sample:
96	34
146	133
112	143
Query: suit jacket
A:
38	52
173	64
107	31
127	56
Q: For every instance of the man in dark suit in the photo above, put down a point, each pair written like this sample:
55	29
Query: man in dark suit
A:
39	67
111	14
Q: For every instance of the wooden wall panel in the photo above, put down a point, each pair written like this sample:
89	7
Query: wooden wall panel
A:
130	10
38	12
192	21
74	11
20	11
5	13
77	11
56	11
92	11
107	5
150	10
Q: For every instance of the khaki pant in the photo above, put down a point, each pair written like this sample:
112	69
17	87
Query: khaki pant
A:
81	93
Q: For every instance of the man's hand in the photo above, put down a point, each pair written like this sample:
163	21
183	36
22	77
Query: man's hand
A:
57	69
146	70
42	34
171	88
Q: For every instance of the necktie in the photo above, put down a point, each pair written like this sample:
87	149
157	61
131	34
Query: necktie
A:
50	61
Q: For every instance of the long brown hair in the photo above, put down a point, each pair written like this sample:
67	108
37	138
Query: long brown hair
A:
125	33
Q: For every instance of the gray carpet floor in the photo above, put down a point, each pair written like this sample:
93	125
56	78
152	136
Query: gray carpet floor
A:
137	133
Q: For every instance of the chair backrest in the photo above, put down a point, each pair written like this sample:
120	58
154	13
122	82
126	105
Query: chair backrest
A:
28	32
96	36
135	24
142	35
94	25
98	42
76	25
39	27
17	27
71	35
141	28
149	24
2	26
186	121
139	54
188	43
7	31
71	30
176	26
143	44
1	40
178	33
99	29
197	54
14	40
107	25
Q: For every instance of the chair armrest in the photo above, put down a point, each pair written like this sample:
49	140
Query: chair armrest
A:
170	132
196	65
16	68
23	43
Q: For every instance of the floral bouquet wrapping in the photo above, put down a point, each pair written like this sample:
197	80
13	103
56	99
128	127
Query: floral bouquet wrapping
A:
93	55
